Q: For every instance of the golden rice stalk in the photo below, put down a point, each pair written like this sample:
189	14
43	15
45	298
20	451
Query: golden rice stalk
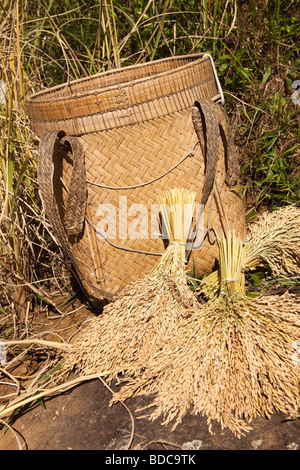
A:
231	274
127	334
234	361
231	361
177	208
273	241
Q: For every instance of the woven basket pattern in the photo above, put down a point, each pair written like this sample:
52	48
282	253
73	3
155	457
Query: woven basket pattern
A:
134	126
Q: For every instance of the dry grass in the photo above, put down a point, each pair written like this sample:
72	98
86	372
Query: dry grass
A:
32	275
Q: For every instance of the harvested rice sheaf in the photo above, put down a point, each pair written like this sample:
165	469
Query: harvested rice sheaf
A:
231	361
124	338
234	361
274	241
129	332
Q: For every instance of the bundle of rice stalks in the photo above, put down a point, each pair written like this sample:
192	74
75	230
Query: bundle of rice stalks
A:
232	361
273	241
131	330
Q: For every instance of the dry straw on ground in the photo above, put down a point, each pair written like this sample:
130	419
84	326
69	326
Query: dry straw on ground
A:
133	328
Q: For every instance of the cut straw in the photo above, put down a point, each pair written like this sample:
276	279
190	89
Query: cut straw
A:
133	328
231	361
273	242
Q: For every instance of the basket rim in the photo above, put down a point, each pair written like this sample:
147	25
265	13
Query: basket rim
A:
193	59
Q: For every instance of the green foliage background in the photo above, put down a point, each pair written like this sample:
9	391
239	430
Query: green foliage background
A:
254	44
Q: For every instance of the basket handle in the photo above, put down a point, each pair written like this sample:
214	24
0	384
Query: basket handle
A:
53	147
209	130
77	199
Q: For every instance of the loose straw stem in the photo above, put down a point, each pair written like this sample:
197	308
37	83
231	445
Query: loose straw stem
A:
63	387
42	342
231	264
96	253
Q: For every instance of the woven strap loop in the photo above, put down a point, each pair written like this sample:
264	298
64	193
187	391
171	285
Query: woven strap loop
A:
77	200
209	130
206	124
53	145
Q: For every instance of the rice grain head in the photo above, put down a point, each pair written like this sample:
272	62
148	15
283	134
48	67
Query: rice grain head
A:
274	241
232	360
124	338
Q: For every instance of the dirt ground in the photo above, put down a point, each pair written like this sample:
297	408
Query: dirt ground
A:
81	419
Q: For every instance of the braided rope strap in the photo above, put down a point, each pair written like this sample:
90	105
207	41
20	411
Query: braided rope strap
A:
54	145
209	130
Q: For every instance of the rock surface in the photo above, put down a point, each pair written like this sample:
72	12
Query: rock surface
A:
82	419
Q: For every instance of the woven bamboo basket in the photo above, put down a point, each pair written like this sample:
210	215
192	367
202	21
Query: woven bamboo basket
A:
111	143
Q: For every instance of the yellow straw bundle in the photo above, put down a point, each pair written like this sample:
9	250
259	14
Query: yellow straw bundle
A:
177	208
273	241
124	338
232	360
